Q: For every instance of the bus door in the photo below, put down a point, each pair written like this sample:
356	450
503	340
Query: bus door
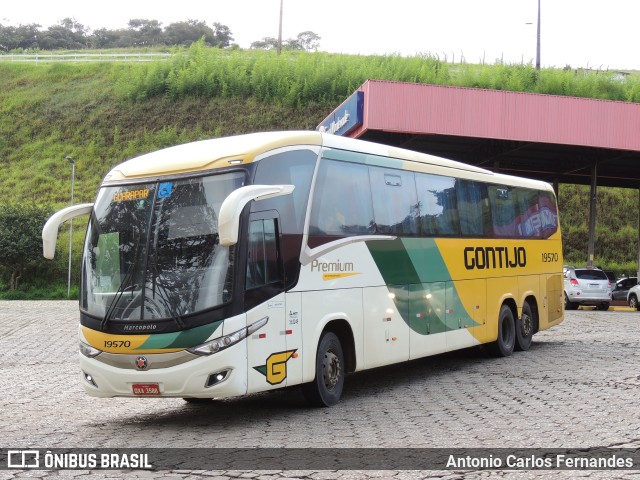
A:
264	297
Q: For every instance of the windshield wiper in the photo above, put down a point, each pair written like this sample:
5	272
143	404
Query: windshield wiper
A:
122	288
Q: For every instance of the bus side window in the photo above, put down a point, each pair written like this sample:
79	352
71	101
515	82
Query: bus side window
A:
262	258
530	223
342	201
548	214
395	202
503	211
437	205
473	208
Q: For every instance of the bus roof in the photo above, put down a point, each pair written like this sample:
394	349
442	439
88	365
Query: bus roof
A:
208	154
242	149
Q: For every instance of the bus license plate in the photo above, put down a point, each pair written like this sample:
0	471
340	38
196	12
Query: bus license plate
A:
146	389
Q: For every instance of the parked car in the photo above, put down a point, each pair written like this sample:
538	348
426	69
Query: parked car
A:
633	297
586	286
611	275
621	288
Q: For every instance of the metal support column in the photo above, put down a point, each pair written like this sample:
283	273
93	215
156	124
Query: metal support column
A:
638	272
592	215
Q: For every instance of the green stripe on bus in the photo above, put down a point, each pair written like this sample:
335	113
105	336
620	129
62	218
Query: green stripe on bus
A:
186	339
417	275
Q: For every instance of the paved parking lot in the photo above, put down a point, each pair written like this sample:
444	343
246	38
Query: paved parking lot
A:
578	386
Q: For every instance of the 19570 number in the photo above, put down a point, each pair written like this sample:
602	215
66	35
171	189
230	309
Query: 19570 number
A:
117	344
549	257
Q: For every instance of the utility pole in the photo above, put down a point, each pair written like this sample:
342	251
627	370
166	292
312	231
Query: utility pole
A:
280	30
538	40
73	177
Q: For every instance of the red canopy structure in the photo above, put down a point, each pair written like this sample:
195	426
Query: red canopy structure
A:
549	137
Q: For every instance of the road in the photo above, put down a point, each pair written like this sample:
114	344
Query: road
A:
578	386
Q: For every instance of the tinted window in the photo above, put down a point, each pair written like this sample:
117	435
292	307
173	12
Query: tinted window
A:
529	224
395	205
473	208
548	214
583	274
503	211
342	200
287	168
262	258
437	205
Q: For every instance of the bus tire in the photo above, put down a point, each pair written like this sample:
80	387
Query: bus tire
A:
504	345
525	326
326	388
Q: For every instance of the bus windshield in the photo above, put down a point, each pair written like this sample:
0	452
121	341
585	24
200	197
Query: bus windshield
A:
152	250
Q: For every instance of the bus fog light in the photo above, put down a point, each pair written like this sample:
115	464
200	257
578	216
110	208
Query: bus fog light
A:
216	378
89	379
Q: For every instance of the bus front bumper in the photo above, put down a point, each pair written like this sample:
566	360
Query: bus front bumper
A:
220	375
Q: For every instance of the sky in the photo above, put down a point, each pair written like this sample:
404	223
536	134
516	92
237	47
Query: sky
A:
579	33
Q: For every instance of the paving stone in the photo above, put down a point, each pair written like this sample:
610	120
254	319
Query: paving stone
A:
578	386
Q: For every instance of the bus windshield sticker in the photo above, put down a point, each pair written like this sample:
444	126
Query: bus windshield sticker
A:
165	190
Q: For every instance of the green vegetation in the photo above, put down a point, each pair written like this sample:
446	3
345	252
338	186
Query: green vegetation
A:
299	78
101	114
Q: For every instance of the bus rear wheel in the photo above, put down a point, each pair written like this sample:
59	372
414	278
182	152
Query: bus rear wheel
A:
525	326
504	345
326	388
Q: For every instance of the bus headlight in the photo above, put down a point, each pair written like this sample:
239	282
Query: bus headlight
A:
219	344
89	351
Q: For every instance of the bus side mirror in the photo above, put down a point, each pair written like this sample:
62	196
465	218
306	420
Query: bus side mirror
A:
229	218
50	230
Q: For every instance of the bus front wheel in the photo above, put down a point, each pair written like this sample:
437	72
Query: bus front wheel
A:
326	388
504	345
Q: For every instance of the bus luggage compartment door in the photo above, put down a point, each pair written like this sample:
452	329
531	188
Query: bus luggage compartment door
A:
386	333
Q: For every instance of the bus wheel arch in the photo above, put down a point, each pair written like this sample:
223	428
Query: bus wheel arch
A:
527	324
335	356
504	344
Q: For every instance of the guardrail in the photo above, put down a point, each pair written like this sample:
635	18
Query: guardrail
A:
84	57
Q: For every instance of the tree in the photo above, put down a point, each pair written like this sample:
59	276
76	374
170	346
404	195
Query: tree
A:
21	238
222	35
22	36
68	34
145	32
308	40
304	41
186	33
267	43
103	38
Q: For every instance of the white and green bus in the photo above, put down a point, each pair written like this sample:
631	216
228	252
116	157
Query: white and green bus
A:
236	265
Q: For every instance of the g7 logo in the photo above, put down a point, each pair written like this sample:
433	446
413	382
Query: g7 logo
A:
276	368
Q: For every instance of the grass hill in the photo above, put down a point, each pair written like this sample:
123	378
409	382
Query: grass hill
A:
103	113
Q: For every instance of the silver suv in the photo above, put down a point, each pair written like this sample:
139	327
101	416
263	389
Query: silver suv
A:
586	286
